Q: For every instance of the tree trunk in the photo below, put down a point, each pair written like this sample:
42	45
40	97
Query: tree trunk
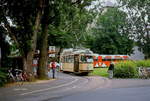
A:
24	64
59	53
34	40
28	64
42	69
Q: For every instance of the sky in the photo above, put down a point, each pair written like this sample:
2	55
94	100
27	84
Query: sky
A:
110	2
103	3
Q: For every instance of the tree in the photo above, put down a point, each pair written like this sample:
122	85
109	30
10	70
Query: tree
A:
139	21
25	16
59	22
111	34
72	24
5	47
46	20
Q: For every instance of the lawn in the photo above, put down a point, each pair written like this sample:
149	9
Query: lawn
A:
99	72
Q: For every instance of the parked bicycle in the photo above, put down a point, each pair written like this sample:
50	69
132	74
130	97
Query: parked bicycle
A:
17	75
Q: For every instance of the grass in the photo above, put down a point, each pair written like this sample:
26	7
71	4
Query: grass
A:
126	69
99	72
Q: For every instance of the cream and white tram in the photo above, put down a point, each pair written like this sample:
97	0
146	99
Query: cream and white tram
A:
77	61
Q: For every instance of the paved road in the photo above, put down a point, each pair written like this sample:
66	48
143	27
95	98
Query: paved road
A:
117	94
69	87
65	85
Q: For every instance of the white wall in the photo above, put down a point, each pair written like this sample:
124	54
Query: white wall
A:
137	55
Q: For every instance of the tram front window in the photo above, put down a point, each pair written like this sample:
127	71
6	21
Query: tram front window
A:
87	59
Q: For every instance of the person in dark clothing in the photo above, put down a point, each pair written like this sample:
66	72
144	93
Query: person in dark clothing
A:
111	70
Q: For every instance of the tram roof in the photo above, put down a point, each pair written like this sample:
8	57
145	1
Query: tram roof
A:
76	51
112	56
108	55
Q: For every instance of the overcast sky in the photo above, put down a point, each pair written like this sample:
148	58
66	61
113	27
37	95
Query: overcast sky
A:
110	2
99	3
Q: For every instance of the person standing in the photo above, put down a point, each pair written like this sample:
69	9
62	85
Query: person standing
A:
111	70
53	65
35	66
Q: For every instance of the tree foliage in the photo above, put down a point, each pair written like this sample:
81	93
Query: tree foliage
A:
21	15
110	34
21	20
70	24
139	21
63	18
65	23
5	47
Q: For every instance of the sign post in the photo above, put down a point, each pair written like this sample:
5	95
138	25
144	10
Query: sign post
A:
52	50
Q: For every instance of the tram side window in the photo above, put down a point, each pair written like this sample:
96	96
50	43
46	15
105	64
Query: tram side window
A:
96	59
120	59
107	60
86	59
89	59
70	59
104	59
83	58
65	59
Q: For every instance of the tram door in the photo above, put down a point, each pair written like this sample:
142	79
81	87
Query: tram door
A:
76	63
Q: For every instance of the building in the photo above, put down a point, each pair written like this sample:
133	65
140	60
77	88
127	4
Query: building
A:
137	55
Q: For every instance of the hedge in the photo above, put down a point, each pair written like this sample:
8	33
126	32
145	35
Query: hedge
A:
127	69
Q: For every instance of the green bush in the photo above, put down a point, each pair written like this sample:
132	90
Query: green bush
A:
3	76
125	70
143	63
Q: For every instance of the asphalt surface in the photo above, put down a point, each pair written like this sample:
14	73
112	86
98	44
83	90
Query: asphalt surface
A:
69	87
118	94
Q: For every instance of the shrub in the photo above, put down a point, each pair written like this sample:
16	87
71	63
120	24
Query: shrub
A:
3	76
125	70
143	63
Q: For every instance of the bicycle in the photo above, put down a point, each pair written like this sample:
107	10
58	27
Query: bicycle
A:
17	75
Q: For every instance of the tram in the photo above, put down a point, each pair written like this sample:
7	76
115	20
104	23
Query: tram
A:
77	61
105	60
